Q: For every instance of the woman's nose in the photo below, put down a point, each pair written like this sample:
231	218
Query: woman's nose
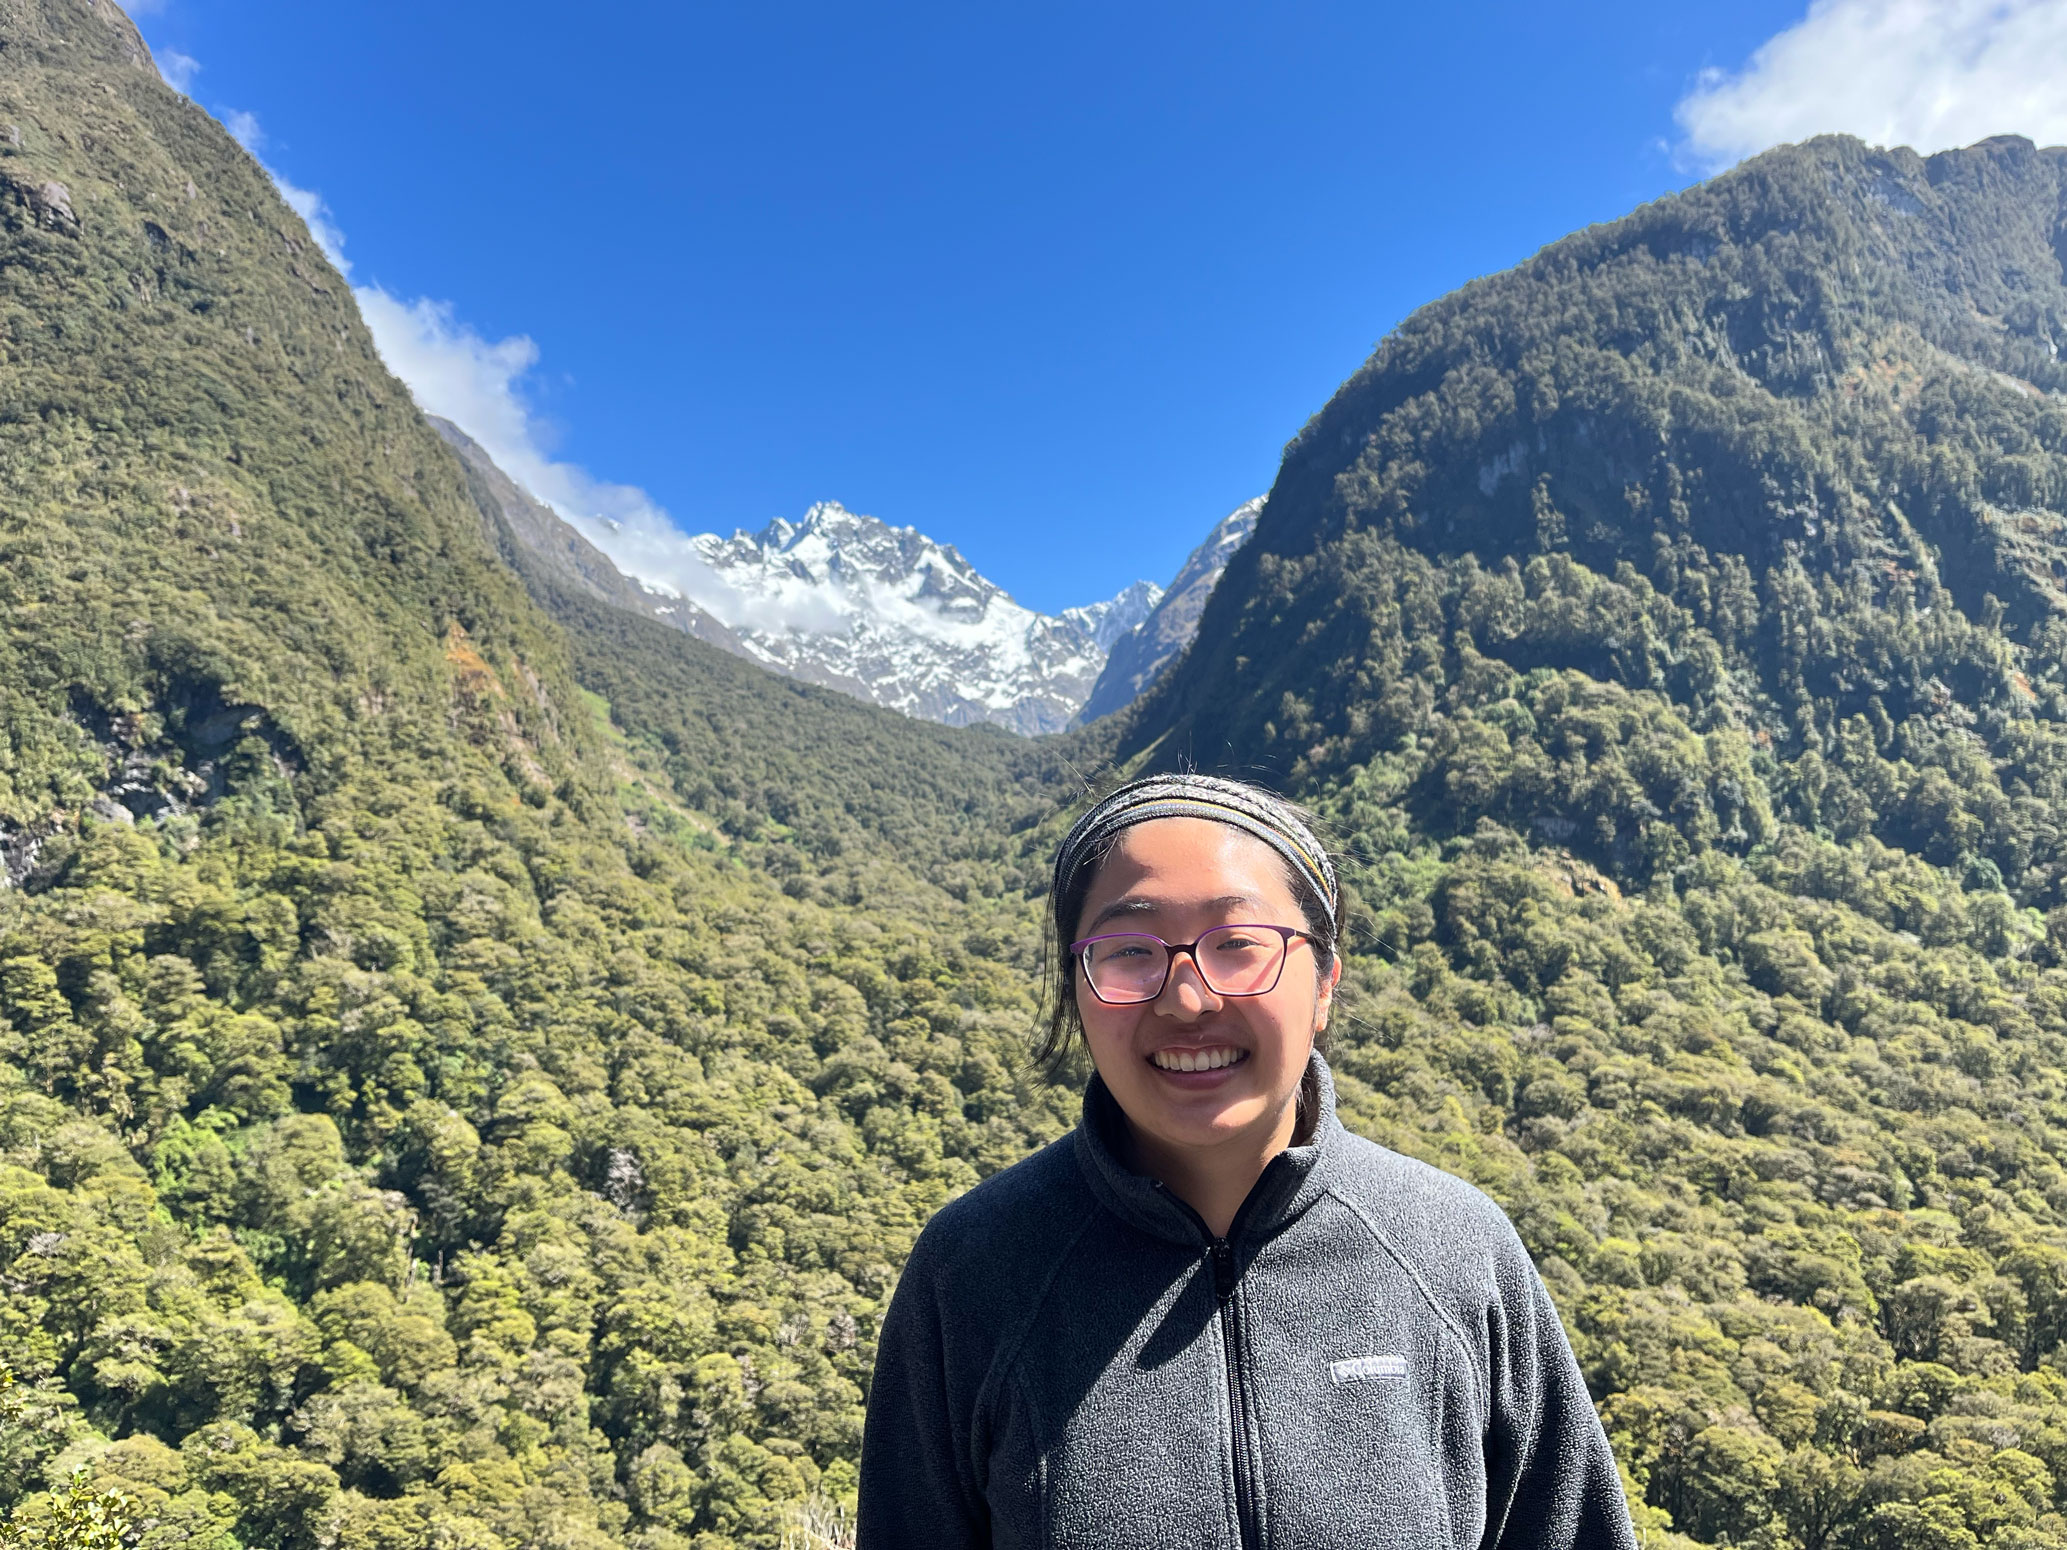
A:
1186	995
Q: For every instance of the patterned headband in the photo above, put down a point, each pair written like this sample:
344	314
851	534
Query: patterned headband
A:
1245	807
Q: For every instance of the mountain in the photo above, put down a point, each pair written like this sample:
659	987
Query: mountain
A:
449	1094
564	554
1111	621
1135	659
1748	435
889	615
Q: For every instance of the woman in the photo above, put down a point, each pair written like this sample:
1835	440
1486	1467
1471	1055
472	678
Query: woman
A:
1210	1316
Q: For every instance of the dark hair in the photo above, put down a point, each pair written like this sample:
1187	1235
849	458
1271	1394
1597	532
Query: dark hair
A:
1285	826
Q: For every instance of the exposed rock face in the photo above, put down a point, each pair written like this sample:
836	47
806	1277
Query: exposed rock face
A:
43	204
1137	658
1116	617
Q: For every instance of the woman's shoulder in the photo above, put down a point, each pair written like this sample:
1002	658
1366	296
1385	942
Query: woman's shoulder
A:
1018	1218
1421	1211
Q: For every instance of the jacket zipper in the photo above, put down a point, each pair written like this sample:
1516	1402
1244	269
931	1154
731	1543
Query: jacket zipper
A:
1237	1395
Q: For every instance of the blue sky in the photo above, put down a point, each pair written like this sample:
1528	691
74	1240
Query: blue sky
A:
1052	283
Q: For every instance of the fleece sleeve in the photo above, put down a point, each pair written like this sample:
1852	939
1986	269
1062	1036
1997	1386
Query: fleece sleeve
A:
1551	1482
917	1486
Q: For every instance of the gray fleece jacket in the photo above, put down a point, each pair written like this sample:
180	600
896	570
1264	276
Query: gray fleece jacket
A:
1368	1359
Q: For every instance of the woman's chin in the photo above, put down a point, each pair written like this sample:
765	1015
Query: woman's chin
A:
1204	1117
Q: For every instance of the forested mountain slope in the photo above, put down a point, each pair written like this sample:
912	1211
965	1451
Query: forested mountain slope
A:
1805	423
1675	626
432	1109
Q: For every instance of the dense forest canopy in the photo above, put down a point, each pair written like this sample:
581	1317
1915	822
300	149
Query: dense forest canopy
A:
472	1060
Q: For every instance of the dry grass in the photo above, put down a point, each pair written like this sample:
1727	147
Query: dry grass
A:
818	1524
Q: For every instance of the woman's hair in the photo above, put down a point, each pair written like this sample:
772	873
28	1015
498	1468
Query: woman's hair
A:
1284	826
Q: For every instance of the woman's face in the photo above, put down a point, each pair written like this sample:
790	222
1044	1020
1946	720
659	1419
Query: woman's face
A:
1176	878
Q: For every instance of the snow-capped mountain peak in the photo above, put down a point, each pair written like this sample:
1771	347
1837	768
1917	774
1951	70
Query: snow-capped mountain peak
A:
856	564
899	618
1106	622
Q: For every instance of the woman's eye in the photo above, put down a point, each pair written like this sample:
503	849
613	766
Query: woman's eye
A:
1236	944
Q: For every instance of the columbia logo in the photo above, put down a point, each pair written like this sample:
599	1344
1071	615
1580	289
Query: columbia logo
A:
1368	1367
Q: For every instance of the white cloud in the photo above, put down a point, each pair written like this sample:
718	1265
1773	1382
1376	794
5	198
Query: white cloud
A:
243	128
1929	74
315	214
480	385
179	70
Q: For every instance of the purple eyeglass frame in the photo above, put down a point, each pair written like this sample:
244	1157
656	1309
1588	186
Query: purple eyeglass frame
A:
1077	951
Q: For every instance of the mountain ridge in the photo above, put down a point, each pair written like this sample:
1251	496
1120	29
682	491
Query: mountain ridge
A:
567	555
852	601
1671	628
1765	357
1140	656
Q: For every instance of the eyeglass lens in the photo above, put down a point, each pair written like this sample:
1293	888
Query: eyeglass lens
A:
1232	960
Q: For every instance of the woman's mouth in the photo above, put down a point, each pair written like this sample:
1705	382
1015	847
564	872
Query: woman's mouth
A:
1212	1058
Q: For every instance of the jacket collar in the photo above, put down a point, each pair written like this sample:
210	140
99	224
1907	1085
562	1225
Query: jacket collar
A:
1291	1181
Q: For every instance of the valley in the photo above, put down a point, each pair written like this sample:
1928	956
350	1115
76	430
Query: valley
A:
883	614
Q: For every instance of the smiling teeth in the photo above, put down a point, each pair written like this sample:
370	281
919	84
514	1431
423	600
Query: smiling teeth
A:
1195	1059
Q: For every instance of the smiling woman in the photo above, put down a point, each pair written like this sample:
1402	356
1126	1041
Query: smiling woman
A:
1204	1048
1209	1315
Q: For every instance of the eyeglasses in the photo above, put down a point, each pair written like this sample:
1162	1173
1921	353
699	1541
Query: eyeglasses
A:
1126	967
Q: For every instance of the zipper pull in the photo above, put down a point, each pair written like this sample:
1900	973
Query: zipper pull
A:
1223	1268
